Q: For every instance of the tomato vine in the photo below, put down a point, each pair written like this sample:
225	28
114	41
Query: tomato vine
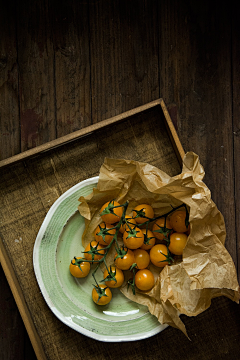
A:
130	226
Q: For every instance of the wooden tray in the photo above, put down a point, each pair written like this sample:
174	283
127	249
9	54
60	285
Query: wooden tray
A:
32	181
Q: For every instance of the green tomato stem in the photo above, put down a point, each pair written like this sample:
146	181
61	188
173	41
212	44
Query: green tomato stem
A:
114	240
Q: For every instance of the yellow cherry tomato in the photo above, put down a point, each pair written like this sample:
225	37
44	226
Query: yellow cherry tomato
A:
162	230
158	255
113	277
124	259
104	233
133	238
143	210
79	268
177	221
144	280
130	223
142	258
149	239
101	294
94	251
111	214
177	243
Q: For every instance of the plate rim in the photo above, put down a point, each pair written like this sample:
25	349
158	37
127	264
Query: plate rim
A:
44	292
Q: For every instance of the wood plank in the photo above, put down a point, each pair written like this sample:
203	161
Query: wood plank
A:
85	131
124	56
9	103
236	122
13	335
36	74
196	79
70	33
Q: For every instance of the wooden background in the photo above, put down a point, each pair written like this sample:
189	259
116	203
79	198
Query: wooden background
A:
67	64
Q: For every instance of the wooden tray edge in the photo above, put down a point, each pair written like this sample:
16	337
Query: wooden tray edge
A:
76	134
89	129
173	134
21	303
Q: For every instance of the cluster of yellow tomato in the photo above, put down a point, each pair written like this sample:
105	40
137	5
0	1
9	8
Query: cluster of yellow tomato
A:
145	240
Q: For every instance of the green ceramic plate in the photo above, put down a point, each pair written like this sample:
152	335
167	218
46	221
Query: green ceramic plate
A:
58	241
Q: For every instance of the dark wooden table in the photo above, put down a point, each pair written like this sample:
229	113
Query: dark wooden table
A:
65	65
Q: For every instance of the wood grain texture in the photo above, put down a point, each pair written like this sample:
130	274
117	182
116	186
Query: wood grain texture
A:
160	107
12	330
236	122
36	74
70	36
9	107
196	77
124	56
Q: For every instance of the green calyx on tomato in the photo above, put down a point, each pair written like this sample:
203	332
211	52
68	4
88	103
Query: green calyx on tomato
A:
168	257
128	222
132	232
77	262
109	209
147	238
111	275
163	227
165	233
104	231
101	291
140	214
93	251
121	252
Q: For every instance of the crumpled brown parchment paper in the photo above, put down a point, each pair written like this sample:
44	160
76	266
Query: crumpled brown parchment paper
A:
206	270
